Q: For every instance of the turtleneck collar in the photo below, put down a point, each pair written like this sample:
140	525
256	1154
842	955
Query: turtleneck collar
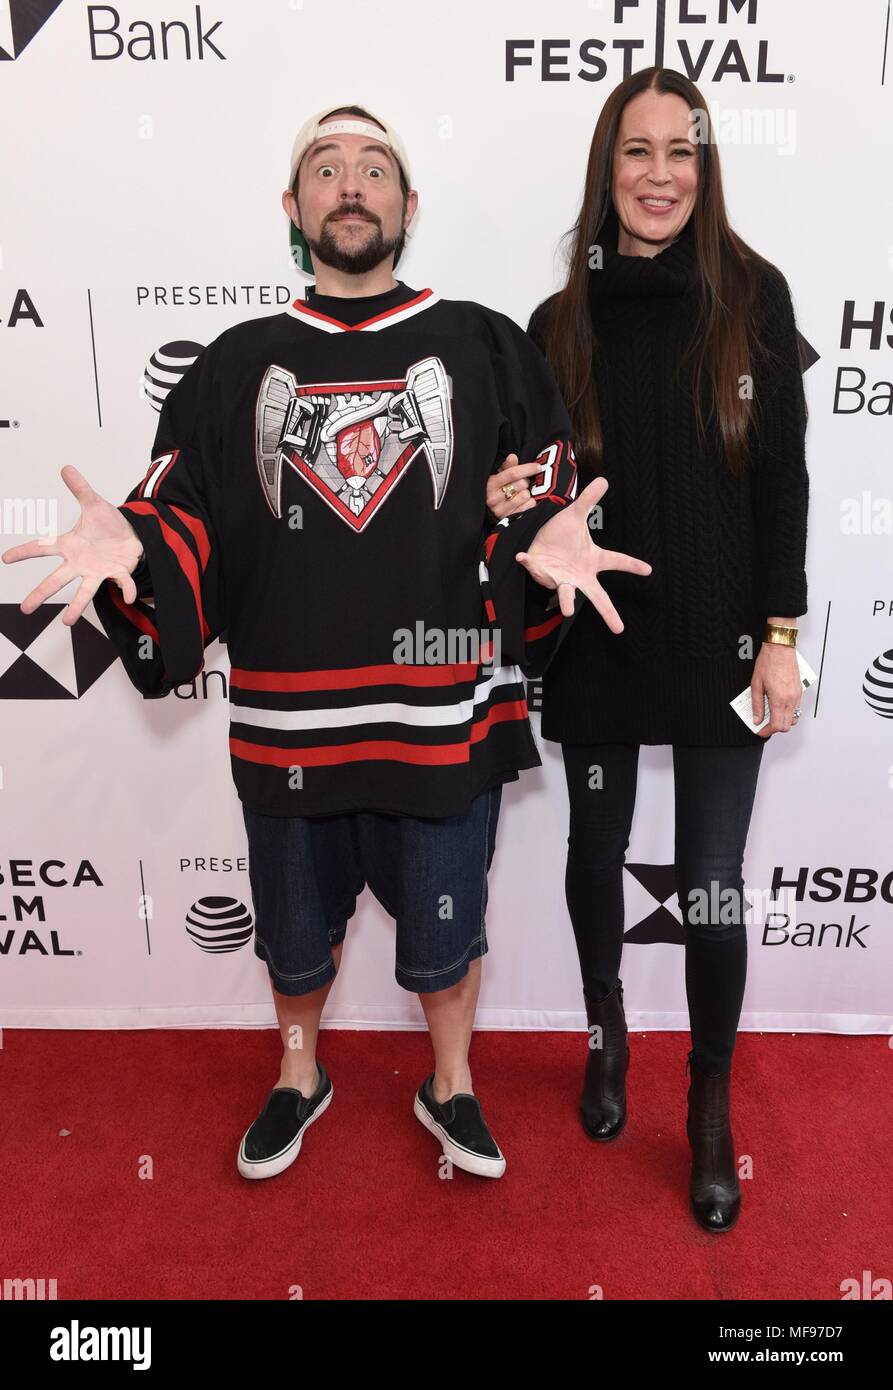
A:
672	271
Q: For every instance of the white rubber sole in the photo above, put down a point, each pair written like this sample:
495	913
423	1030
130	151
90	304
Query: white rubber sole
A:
463	1158
277	1163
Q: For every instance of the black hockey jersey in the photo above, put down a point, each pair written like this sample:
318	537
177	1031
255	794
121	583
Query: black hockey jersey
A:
316	496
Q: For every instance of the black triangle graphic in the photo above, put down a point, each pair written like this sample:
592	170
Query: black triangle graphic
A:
93	654
22	628
25	680
28	18
659	925
659	879
808	354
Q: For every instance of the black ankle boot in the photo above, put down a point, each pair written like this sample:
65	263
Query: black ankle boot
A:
715	1193
603	1101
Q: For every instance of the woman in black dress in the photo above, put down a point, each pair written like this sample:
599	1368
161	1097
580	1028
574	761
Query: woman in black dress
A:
675	347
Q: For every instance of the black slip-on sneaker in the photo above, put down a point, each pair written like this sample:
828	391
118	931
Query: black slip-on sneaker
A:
462	1130
274	1140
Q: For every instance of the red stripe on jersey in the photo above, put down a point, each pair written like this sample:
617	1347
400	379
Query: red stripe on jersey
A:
498	714
388	313
131	613
339	387
371	750
379	750
199	533
352	677
184	556
542	629
303	308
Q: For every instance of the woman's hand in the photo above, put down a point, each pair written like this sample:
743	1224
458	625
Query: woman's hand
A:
101	545
776	674
562	556
511	471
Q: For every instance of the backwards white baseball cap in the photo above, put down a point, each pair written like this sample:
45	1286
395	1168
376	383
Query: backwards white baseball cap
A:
318	128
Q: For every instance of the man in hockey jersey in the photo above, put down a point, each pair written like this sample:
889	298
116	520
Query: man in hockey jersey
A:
316	493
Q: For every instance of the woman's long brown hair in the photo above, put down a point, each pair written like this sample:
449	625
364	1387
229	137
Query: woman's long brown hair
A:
725	334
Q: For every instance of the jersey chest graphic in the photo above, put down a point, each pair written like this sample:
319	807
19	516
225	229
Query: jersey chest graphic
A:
353	441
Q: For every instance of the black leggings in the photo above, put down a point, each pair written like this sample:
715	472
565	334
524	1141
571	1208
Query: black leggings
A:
714	792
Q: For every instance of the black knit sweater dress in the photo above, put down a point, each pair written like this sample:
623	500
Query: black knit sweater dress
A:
726	553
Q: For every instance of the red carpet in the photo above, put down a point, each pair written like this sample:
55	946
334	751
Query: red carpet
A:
362	1213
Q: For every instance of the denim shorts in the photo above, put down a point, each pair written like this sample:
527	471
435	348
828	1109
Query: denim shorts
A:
306	874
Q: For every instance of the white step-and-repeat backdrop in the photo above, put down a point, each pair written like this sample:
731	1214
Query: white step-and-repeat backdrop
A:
145	148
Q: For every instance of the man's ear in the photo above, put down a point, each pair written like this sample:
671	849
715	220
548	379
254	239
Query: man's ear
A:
288	198
412	203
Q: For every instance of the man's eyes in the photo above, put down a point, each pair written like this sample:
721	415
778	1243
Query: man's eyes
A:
327	169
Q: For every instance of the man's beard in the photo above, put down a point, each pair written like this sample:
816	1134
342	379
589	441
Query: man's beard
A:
352	260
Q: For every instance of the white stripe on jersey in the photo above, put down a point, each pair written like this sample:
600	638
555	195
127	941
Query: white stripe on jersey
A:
422	716
405	311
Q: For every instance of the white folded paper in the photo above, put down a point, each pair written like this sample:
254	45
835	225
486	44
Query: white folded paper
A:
743	703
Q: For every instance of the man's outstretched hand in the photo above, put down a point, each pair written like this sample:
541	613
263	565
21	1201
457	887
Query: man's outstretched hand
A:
101	545
563	557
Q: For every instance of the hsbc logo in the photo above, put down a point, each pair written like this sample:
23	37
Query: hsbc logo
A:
149	40
20	20
41	658
111	36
